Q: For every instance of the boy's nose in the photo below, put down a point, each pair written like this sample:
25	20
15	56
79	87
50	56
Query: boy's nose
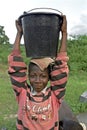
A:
37	78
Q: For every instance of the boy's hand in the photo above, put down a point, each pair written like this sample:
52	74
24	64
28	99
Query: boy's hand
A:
18	36
19	27
63	44
64	25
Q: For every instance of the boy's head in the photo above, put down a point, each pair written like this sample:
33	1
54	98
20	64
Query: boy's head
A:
38	78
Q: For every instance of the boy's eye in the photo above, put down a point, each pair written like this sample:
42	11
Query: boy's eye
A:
44	76
32	76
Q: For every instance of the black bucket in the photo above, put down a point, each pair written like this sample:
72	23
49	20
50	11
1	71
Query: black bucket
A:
41	32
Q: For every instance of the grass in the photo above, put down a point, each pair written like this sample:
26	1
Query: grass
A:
8	104
76	85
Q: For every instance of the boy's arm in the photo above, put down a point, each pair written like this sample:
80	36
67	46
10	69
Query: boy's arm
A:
17	68
63	44
59	74
16	46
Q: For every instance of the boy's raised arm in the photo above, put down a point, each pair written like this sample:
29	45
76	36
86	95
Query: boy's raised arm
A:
18	36
63	44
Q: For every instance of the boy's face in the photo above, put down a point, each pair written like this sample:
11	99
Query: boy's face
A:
38	78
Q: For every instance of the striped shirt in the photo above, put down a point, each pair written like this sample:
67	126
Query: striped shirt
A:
40	111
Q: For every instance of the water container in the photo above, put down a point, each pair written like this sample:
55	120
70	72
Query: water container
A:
41	30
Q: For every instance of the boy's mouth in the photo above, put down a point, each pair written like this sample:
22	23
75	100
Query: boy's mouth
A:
38	88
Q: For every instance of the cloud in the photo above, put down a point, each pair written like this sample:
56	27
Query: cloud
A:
81	27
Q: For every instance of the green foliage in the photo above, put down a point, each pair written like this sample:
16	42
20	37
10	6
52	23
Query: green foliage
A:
3	37
5	49
77	51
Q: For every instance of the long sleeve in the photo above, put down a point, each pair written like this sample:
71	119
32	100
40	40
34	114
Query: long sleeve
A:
59	75
17	72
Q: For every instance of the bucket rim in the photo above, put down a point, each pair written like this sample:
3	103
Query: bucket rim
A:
34	12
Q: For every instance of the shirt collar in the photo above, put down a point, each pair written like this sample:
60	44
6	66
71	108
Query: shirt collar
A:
35	93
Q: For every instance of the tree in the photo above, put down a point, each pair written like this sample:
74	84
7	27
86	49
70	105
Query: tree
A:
3	37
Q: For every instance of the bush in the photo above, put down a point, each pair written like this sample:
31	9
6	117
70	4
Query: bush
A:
77	51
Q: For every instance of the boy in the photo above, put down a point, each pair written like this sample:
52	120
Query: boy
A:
38	105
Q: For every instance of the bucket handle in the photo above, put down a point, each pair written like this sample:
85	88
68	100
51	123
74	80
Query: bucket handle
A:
26	13
45	8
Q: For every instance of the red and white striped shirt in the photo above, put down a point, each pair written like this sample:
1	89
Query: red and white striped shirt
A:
40	111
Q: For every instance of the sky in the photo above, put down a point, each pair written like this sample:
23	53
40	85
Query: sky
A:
75	11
